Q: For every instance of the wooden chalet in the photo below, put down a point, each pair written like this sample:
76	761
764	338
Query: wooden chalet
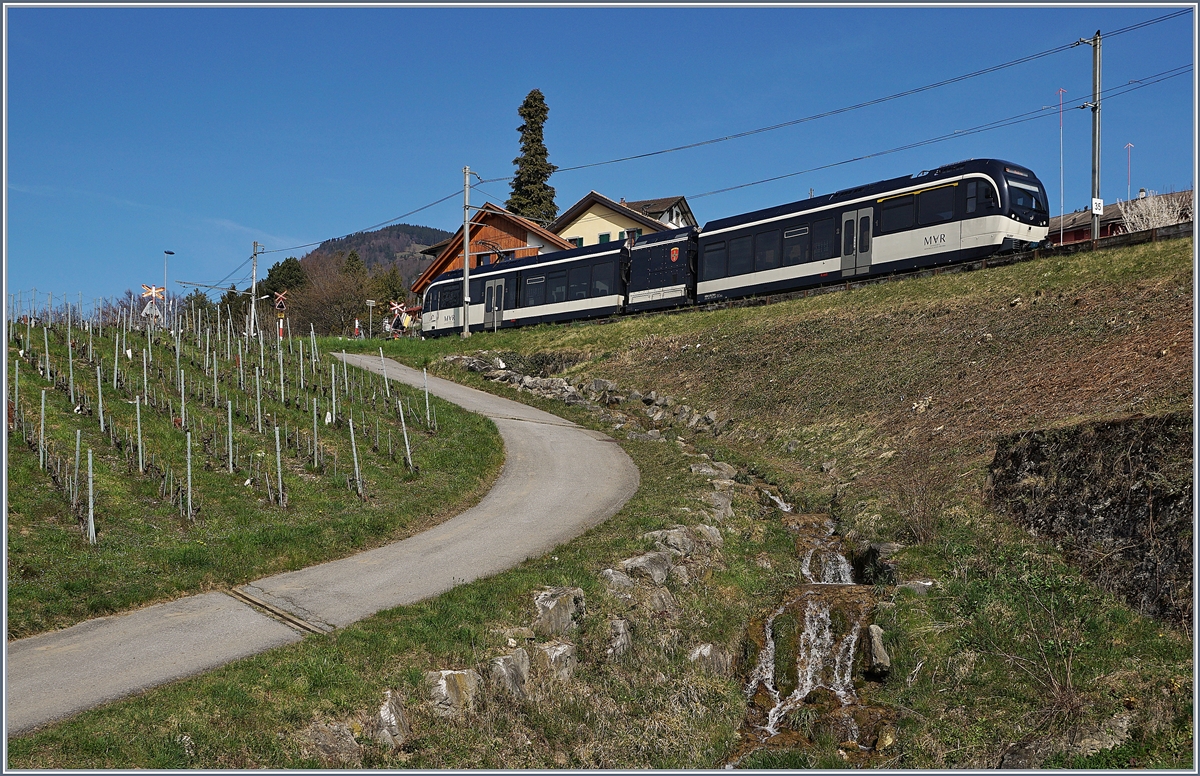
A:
496	235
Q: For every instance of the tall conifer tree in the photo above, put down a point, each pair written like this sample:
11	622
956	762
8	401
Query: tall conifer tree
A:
532	196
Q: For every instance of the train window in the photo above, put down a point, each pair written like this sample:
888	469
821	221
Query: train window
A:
766	250
741	255
431	300
510	291
935	205
824	246
713	266
897	214
535	292
557	281
579	283
602	279
451	296
1025	196
797	246
848	237
476	290
864	234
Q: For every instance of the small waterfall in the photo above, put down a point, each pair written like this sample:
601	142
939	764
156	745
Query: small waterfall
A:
822	661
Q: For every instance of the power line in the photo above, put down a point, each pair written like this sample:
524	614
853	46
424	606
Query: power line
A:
876	101
368	228
1020	118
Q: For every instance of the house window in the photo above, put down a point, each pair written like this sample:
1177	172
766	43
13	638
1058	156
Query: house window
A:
606	237
636	234
578	241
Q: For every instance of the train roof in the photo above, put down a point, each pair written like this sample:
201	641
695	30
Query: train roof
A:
945	171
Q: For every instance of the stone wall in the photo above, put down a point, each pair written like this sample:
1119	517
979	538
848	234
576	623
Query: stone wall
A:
1116	496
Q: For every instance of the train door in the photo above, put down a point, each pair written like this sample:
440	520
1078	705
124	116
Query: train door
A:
857	226
493	303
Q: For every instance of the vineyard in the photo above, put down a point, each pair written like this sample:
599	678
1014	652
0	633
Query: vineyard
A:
147	463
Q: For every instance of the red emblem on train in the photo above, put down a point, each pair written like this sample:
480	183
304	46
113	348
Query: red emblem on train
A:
674	254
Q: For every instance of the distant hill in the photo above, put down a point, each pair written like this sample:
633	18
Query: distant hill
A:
400	244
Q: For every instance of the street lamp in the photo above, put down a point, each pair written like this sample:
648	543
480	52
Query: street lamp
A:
370	318
165	255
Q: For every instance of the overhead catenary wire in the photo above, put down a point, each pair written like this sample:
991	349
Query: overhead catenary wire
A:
1019	118
772	127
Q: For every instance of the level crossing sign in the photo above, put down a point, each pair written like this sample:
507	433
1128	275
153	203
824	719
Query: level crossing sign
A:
152	292
279	296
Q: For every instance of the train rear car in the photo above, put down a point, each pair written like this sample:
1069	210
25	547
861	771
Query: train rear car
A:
567	285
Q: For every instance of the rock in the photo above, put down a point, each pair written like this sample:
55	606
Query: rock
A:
886	738
498	363
681	573
390	726
600	386
635	396
452	692
615	580
556	658
710	417
620	639
722	505
709	535
519	634
654	566
509	673
876	565
664	401
917	586
715	469
694	420
650	398
332	744
676	541
878	663
1025	754
712	659
557	610
1110	733
662	602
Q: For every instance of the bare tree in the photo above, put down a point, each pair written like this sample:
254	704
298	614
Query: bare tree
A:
1155	210
331	299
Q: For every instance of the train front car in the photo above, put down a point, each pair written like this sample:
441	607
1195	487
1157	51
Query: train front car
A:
958	212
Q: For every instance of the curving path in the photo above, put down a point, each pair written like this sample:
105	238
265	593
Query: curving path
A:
558	481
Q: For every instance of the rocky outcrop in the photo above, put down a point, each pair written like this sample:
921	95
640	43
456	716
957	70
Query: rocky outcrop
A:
876	664
389	725
558	608
712	659
620	639
654	566
510	672
451	692
556	658
331	743
1116	496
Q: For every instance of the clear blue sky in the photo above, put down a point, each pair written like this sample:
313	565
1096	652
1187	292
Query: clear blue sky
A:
131	131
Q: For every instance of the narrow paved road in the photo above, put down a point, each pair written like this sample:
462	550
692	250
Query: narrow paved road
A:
558	481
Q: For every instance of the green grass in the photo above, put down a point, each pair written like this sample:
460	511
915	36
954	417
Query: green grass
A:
1012	644
148	550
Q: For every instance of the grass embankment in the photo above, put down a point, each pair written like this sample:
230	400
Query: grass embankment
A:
827	398
147	549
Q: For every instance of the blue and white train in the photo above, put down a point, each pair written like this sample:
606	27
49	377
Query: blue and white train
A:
960	212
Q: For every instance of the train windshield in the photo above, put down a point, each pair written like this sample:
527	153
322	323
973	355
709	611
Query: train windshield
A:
1028	196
